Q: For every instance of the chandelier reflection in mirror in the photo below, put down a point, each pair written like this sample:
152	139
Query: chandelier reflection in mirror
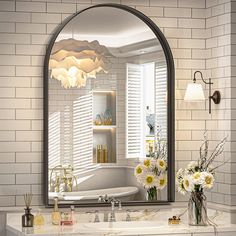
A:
72	61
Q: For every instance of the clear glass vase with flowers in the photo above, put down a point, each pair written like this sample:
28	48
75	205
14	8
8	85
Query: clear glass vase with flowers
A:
195	178
151	173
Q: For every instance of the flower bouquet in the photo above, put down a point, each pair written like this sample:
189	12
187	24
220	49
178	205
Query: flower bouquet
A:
152	171
198	176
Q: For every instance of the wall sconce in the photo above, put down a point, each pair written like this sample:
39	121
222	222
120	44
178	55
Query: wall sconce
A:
194	92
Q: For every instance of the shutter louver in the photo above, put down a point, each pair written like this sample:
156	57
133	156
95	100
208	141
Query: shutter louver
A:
161	97
134	111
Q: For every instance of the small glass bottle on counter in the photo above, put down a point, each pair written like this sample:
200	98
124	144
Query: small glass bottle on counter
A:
27	218
73	217
56	216
38	219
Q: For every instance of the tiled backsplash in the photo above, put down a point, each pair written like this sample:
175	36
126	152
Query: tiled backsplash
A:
201	35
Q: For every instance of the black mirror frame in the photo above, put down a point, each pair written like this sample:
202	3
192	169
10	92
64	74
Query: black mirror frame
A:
170	113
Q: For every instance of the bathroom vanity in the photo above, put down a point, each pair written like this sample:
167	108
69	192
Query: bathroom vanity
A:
143	222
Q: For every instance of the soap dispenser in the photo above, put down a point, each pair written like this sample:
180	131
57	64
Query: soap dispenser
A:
56	216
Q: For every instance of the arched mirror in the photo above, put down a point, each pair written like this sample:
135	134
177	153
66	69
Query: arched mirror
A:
109	110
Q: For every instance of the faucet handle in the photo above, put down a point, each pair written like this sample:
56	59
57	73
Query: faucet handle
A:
120	206
100	198
96	219
104	198
128	217
113	202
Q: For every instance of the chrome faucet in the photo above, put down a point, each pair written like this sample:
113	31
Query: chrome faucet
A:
113	201
113	216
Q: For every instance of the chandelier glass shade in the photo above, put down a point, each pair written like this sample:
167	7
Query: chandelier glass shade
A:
72	61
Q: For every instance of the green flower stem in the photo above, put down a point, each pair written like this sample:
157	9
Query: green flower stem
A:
152	194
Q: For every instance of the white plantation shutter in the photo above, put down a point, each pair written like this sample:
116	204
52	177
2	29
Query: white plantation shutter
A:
134	110
82	133
161	96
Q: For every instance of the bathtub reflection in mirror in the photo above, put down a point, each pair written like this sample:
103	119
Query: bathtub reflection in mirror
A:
107	110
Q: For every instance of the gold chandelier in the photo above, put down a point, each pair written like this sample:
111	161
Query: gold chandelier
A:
73	61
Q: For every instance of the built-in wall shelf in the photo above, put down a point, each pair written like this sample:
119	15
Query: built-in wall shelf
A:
104	127
104	133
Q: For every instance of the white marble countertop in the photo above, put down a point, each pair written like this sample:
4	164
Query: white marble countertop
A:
127	228
147	222
172	205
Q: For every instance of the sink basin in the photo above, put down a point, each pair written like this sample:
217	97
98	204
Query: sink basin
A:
130	225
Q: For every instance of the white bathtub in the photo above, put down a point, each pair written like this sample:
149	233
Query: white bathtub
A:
122	193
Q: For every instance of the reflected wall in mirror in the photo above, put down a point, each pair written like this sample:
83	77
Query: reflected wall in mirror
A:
108	130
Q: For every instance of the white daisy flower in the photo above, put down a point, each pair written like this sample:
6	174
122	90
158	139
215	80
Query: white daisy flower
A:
208	180
188	183
192	166
149	163
179	176
161	164
149	180
198	178
161	181
181	188
139	170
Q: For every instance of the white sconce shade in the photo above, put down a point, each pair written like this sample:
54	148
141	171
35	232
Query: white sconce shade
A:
194	93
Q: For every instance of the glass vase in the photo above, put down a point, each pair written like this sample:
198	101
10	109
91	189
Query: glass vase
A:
153	194
98	120
107	117
197	210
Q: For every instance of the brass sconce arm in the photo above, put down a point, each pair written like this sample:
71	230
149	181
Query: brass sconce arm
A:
215	97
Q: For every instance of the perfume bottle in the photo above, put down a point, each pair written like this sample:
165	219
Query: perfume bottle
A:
38	219
100	156
105	154
27	218
72	212
56	216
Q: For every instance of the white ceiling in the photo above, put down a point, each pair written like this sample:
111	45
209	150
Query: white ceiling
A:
112	27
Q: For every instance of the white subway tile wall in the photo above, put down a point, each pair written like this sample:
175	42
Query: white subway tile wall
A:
202	37
230	178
